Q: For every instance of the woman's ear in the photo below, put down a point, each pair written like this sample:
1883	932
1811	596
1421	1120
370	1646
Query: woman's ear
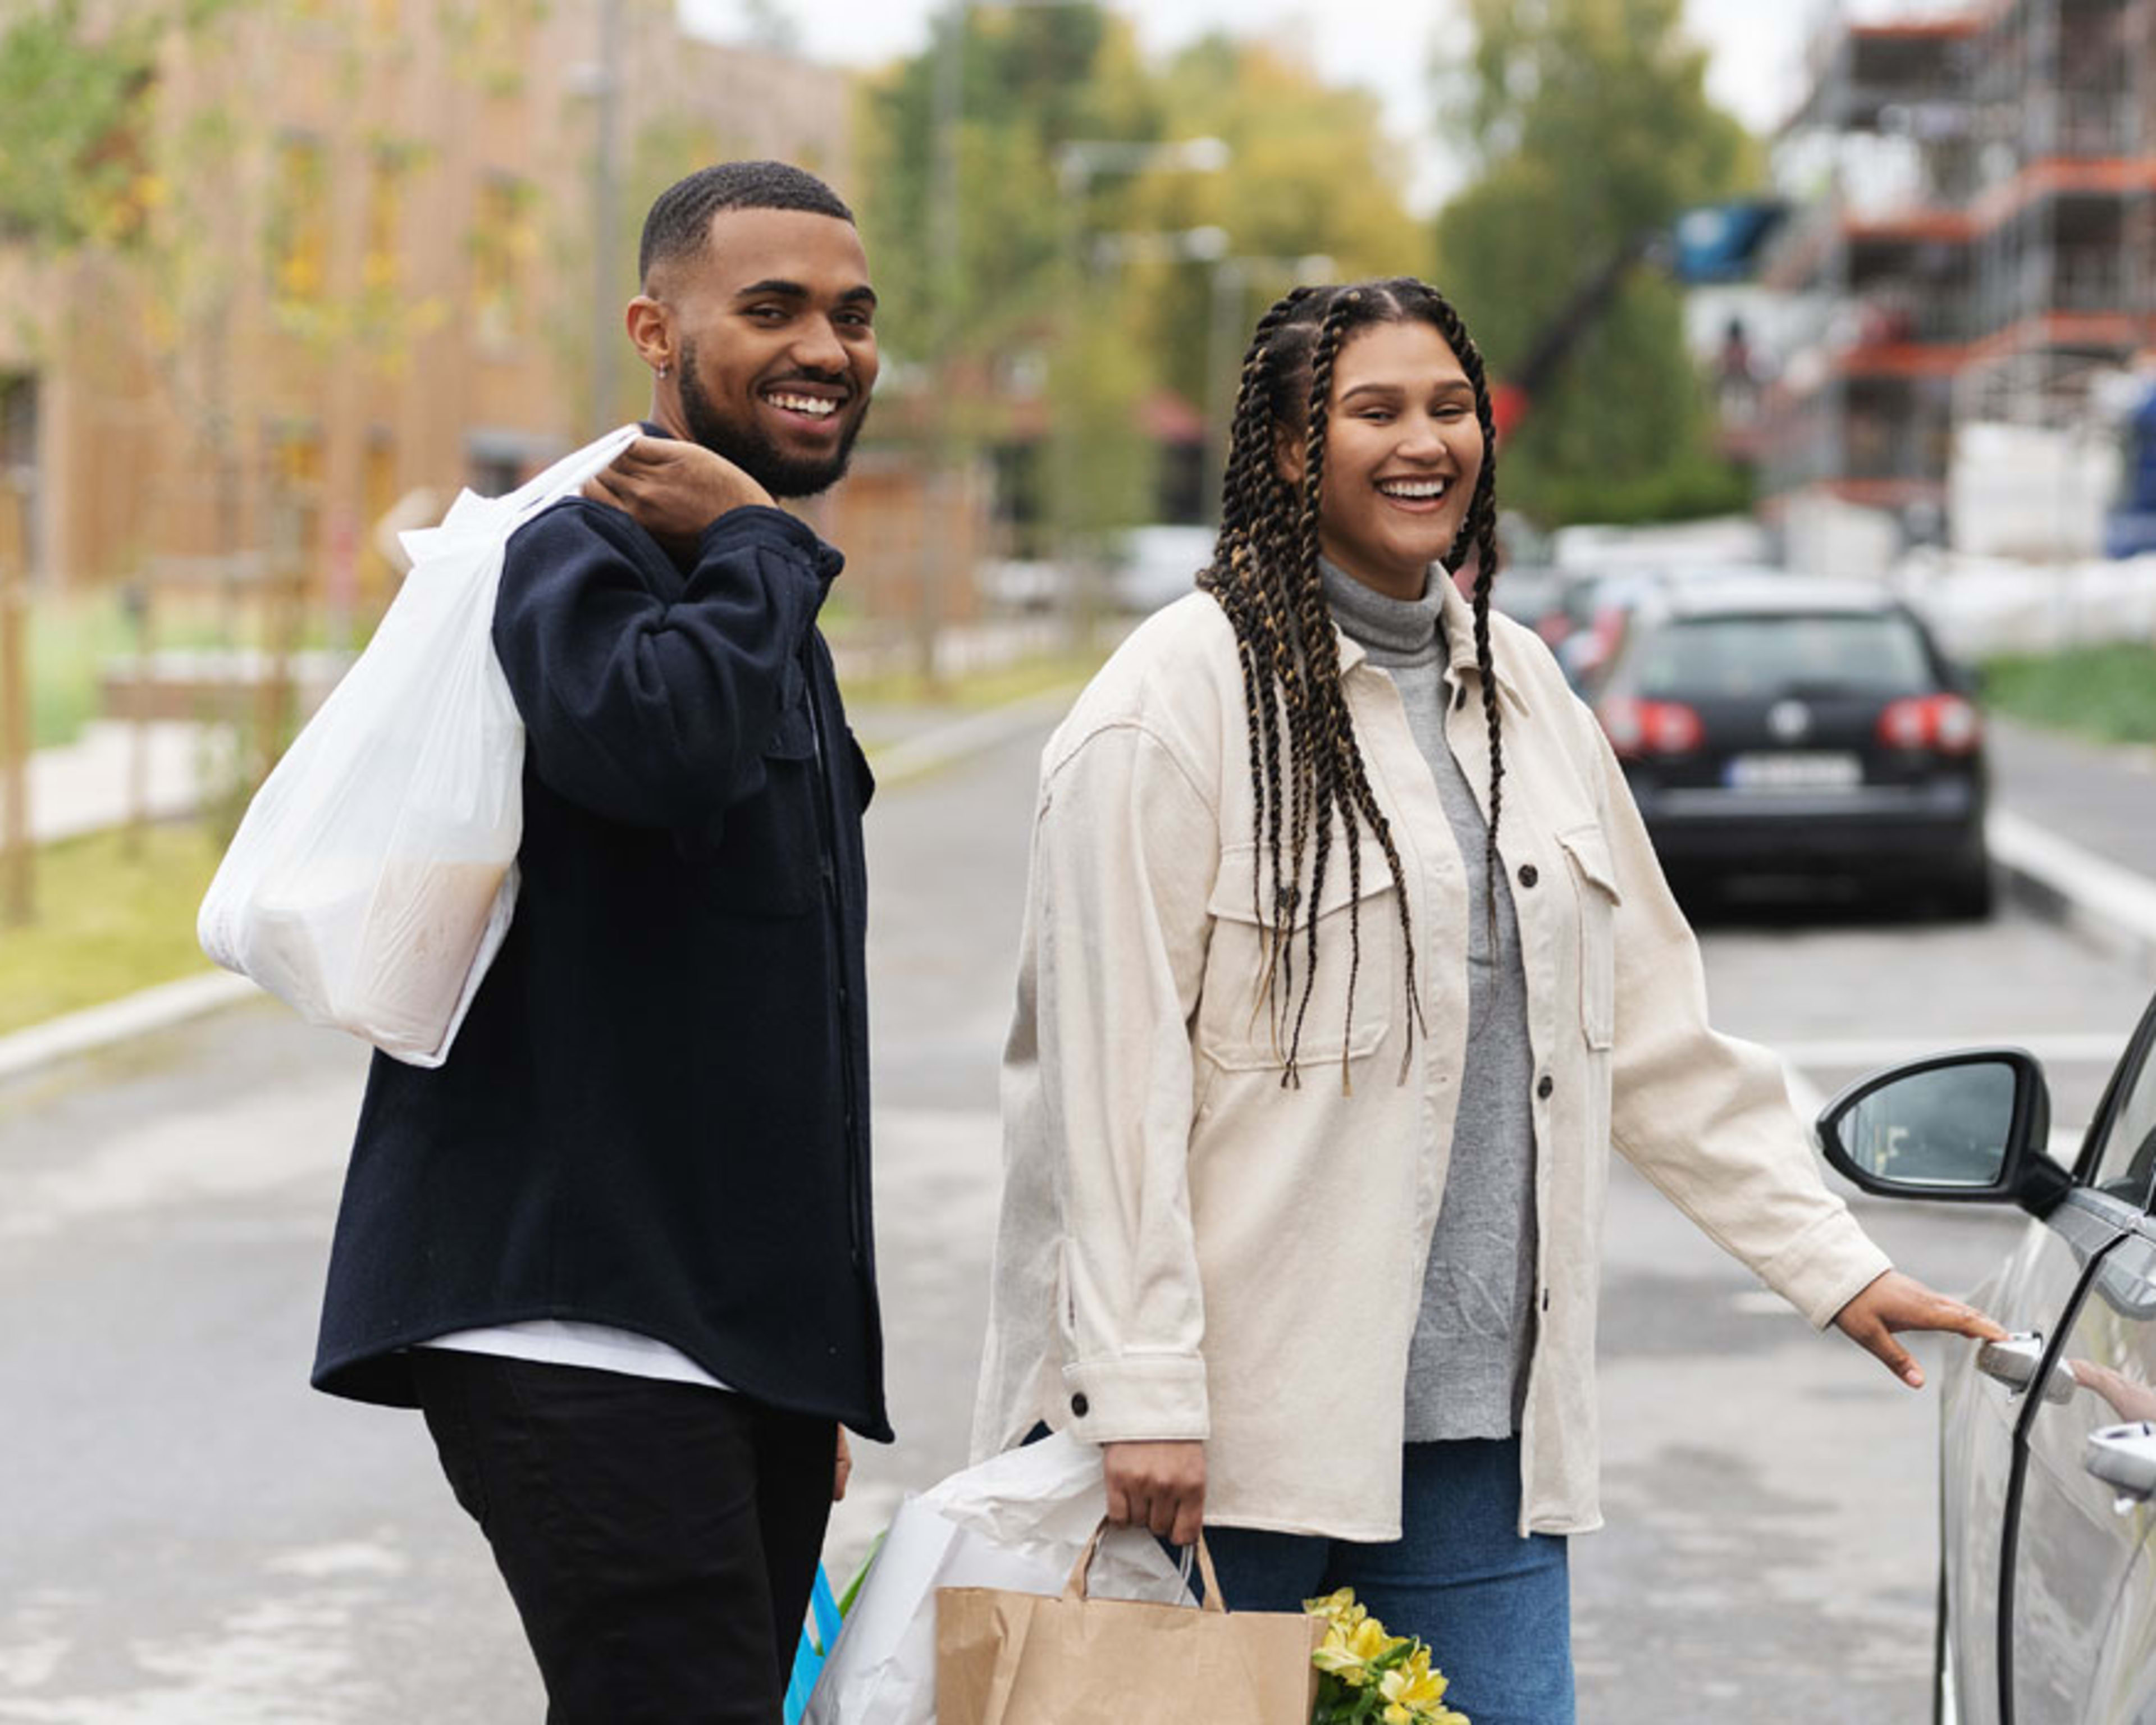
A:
1288	455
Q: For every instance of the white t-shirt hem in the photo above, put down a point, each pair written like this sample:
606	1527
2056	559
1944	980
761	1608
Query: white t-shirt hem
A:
556	1341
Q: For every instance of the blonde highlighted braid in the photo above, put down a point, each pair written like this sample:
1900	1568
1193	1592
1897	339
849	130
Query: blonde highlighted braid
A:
1265	577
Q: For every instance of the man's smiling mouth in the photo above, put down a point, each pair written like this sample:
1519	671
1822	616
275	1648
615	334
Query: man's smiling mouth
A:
814	407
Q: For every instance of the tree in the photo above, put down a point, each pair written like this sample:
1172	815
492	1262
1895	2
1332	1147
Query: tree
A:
1589	123
1076	281
73	108
1313	174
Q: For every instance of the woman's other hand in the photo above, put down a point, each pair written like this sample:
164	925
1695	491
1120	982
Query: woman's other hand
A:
1157	1486
842	1469
1893	1303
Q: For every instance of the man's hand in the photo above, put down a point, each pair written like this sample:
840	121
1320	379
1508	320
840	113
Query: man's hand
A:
844	1469
1895	1302
1157	1485
673	489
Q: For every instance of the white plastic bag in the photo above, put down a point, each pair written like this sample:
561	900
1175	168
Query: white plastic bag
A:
373	877
1017	1521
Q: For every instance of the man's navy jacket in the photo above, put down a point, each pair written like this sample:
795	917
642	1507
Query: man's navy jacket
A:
655	1116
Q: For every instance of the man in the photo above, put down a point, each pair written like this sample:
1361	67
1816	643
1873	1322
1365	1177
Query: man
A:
617	1247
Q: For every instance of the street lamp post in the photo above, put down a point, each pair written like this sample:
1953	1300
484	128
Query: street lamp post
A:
1077	164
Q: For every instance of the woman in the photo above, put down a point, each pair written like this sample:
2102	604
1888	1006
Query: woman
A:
1345	958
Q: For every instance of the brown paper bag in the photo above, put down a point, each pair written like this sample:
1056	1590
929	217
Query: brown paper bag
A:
1020	1659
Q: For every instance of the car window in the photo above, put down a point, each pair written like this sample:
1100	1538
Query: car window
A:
2126	1164
1764	656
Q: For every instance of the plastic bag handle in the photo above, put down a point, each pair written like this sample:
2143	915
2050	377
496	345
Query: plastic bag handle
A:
1076	1588
570	472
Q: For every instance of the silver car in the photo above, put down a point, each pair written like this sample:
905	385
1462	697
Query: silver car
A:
2047	1525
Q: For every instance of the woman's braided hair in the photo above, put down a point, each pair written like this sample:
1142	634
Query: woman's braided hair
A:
1265	577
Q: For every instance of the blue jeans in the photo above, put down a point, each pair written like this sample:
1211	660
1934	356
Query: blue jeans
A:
1495	1609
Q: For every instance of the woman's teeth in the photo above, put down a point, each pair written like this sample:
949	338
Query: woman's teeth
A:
1414	490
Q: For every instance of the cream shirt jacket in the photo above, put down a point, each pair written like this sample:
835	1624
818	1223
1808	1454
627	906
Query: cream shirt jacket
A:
1187	1250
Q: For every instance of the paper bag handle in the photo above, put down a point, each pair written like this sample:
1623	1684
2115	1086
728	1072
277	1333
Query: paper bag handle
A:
1074	1589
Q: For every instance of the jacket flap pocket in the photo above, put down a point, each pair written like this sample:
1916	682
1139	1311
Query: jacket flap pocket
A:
1589	849
1241	864
793	737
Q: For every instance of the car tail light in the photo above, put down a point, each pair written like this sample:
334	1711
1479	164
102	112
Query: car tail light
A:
1636	728
1944	724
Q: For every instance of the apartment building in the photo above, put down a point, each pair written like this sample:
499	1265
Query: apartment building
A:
374	272
1976	241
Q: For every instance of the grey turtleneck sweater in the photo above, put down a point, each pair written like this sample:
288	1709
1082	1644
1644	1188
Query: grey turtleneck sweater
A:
1467	1368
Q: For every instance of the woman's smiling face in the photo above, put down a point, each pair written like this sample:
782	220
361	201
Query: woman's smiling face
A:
1403	452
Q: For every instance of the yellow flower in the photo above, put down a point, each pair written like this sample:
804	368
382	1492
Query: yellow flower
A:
1338	1608
1349	1653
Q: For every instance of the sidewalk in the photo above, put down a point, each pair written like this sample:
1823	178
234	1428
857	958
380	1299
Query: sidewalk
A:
2073	825
86	786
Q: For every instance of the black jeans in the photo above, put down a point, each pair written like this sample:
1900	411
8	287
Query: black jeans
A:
659	1539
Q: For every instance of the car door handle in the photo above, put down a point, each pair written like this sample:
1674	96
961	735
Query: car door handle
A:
2124	1458
2013	1362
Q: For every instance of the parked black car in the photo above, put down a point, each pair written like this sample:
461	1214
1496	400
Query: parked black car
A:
2047	1452
1784	725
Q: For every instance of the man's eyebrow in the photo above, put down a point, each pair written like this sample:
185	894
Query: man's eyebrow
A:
778	287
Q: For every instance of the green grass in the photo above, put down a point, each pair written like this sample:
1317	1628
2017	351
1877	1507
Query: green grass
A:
71	638
107	924
976	690
73	635
2108	693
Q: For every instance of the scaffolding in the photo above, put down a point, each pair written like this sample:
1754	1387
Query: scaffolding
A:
1980	242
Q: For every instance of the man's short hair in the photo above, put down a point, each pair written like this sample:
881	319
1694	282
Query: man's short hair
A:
681	218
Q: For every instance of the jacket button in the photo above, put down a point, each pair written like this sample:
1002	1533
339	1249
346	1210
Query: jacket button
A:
1546	1088
1080	1405
1529	875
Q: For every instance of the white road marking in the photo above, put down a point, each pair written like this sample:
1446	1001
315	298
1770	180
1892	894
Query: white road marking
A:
1872	1052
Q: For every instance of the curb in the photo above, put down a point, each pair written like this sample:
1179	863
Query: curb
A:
170	1004
2112	905
930	752
97	1028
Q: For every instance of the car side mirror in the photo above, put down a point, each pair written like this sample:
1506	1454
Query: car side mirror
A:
1968	1127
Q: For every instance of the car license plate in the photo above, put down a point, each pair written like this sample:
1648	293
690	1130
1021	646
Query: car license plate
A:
1793	771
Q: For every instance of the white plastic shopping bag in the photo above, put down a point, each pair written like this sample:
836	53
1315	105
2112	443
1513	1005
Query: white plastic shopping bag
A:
1017	1521
373	876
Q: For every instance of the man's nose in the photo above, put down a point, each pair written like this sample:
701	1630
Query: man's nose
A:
817	347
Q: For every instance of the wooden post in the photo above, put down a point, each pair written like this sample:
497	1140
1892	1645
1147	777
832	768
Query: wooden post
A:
284	587
136	598
17	851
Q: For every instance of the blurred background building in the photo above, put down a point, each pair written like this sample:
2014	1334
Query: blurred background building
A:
1971	274
363	252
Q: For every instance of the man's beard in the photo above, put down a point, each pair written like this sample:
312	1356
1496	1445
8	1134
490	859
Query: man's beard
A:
751	450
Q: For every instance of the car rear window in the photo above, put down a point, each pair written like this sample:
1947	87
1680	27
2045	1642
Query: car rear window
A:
1738	656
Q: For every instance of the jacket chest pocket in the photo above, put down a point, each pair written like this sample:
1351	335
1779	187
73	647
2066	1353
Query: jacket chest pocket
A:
763	856
1242	1025
1595	885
